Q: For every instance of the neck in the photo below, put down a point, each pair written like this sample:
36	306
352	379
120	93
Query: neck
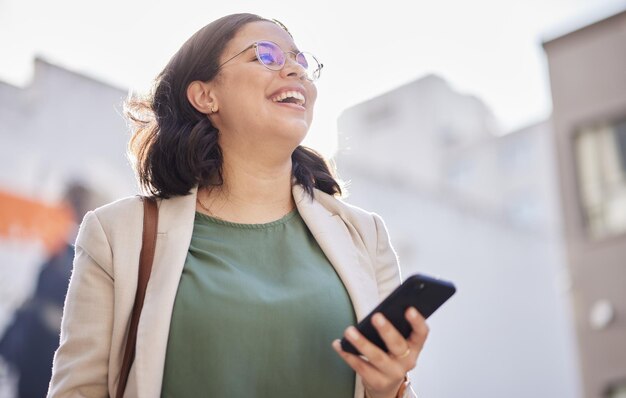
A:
253	192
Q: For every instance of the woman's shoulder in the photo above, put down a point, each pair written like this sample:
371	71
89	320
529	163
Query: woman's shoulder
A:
120	217
108	227
126	214
119	209
365	226
347	211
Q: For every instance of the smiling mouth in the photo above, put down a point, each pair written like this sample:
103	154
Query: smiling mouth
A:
290	97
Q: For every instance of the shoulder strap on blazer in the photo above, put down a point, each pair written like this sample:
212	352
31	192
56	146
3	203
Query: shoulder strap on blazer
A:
146	257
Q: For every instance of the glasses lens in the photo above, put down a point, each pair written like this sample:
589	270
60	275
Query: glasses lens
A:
270	55
310	65
273	57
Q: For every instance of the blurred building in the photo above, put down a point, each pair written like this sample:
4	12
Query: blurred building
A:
588	79
464	201
64	131
63	128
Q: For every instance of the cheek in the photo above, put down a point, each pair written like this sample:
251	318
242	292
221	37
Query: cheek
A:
313	95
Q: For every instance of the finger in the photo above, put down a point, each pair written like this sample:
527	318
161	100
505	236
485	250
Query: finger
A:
370	375
395	342
366	370
375	356
420	329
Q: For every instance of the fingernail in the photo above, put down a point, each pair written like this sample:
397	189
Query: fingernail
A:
379	320
352	333
412	312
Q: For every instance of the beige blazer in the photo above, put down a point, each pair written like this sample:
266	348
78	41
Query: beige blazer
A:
102	288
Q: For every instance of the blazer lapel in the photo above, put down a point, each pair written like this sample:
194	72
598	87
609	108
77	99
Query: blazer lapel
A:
332	235
176	218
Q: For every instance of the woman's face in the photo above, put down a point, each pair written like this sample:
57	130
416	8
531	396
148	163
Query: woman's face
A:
248	93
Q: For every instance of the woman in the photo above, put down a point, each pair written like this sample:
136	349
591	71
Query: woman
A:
258	266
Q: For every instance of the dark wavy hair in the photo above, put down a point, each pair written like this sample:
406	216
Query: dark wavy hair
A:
174	147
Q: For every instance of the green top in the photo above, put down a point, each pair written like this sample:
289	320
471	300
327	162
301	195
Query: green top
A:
257	308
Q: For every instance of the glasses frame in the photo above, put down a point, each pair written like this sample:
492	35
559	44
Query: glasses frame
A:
316	73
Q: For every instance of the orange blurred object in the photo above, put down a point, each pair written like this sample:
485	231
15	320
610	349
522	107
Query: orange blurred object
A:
28	219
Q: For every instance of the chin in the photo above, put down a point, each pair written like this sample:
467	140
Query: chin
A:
293	127
293	136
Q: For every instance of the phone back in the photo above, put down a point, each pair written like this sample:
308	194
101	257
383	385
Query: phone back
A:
423	292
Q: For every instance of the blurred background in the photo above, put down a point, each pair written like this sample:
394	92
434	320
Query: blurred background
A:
490	135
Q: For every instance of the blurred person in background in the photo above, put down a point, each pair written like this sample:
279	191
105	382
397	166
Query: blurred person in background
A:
258	268
30	340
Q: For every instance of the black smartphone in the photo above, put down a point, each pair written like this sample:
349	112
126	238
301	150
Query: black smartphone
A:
423	292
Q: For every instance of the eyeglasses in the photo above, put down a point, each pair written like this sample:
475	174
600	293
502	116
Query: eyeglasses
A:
273	57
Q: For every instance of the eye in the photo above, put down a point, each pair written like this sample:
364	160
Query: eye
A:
270	55
267	58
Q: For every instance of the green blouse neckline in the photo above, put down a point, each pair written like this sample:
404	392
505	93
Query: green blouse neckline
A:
205	218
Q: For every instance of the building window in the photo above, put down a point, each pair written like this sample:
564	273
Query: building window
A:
601	163
616	391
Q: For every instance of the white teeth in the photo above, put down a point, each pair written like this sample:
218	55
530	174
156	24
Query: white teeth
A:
290	94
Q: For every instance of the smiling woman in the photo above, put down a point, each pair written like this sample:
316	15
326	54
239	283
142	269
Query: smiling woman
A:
183	126
259	267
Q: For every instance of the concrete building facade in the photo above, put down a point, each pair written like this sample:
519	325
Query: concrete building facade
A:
588	81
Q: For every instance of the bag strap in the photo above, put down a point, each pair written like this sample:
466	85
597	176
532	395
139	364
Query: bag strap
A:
146	257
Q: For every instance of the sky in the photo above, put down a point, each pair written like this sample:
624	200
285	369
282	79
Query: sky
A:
487	48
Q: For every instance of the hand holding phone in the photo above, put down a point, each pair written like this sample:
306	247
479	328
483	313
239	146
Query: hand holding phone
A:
424	293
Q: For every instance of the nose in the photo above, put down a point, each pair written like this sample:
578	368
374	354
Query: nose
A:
292	68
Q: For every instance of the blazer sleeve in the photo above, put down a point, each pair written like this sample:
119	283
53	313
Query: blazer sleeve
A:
387	268
80	367
388	274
